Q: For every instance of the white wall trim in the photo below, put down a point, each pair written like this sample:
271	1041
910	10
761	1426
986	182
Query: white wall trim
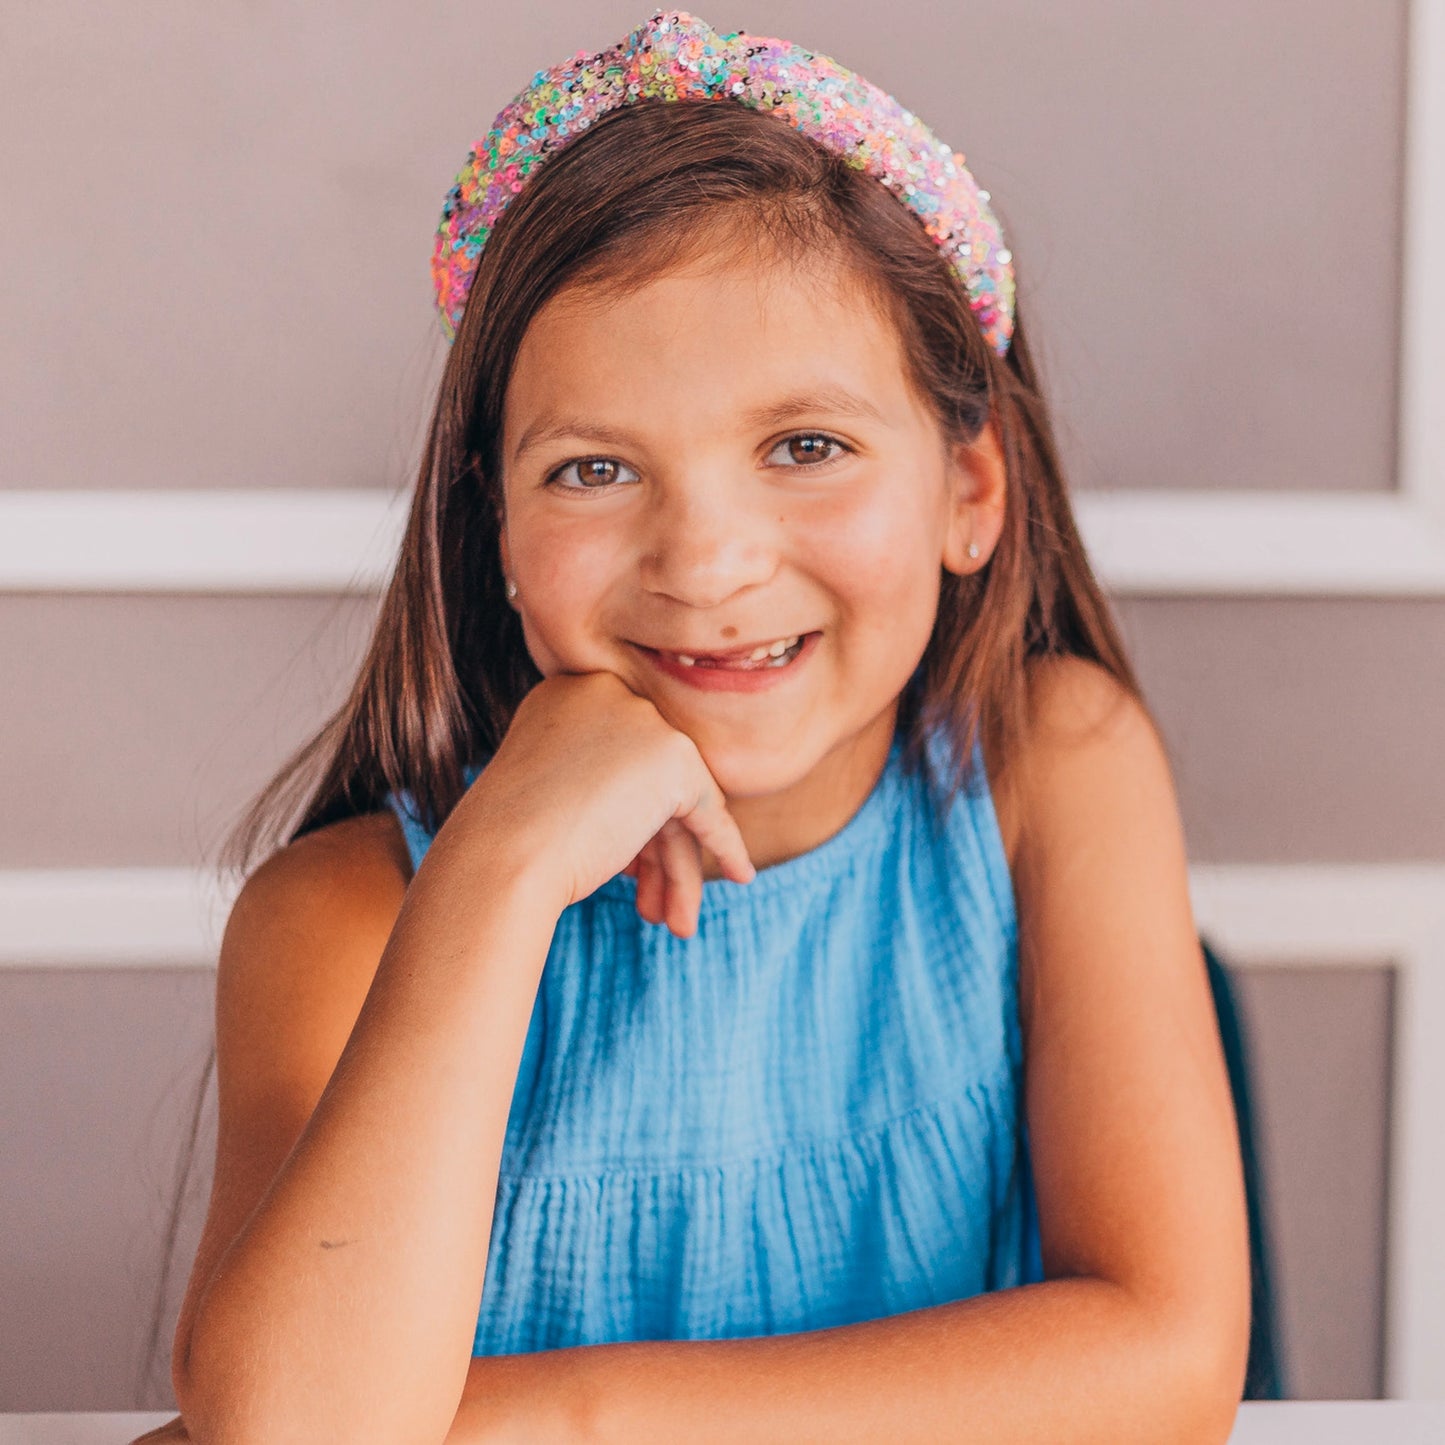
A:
270	541
267	540
1211	543
1422	320
111	917
1257	915
1353	913
1263	544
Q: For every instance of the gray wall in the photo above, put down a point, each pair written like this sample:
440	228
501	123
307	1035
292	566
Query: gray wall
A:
220	221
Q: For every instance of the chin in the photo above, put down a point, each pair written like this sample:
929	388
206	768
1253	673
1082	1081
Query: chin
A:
754	770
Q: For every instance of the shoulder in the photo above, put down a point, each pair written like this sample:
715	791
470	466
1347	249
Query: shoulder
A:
1099	855
307	929
1084	726
360	861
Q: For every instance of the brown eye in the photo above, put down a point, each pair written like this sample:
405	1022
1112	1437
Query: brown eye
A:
808	449
594	474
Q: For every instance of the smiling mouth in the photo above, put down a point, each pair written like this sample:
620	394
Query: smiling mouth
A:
769	654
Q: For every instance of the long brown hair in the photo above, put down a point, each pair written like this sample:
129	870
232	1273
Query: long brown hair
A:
647	186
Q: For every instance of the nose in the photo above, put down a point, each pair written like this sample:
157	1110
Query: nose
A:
704	542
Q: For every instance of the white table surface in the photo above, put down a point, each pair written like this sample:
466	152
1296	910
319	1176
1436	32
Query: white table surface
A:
1292	1422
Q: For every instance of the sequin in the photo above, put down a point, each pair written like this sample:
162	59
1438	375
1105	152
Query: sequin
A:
676	56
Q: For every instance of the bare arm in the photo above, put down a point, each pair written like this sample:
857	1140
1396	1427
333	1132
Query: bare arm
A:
1140	1330
343	1306
368	1038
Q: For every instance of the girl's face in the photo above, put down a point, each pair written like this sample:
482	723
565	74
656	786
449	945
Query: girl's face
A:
730	456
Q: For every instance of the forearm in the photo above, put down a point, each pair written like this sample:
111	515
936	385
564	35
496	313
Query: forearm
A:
1067	1361
345	1307
527	1399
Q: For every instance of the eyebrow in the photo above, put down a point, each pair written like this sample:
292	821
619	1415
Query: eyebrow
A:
836	399
549	428
828	398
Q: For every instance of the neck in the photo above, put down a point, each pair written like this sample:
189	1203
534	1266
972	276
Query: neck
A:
785	824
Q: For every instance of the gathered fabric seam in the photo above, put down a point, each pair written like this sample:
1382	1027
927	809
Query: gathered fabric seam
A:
985	1093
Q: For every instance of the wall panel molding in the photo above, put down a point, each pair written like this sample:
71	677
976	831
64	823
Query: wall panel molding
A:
1302	915
1211	543
1349	913
272	541
111	917
1365	543
269	540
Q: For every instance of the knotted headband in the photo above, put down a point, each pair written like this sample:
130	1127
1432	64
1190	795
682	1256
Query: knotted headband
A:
676	56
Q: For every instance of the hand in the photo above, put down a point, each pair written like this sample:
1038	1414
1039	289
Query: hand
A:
593	781
172	1430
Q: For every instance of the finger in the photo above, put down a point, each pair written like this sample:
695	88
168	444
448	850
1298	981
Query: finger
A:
651	886
646	875
682	867
716	829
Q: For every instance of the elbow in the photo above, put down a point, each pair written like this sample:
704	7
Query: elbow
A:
1206	1352
1213	1394
227	1397
1210	1399
212	1401
196	1411
194	1388
183	1389
205	1397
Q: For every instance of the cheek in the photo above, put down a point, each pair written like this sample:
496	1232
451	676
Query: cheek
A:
563	575
882	561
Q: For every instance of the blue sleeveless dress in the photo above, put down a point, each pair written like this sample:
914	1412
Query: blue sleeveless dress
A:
809	1113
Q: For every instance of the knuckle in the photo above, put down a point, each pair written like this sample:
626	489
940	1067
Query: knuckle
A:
682	748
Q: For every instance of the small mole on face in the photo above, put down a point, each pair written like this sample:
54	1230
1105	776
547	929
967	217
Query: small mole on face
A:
730	632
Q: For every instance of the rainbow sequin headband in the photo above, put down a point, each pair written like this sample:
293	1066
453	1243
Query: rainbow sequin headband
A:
676	56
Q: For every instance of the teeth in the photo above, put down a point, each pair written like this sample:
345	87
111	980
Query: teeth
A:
772	649
768	649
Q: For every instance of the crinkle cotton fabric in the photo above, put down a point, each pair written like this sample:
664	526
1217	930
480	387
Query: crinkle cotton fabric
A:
807	1114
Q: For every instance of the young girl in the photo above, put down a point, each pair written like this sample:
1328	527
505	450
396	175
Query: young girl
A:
733	975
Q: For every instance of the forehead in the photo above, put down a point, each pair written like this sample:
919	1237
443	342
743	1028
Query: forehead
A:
707	340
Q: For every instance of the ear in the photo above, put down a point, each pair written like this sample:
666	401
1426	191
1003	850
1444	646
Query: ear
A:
977	483
506	554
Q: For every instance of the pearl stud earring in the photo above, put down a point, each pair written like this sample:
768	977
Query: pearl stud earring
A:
973	549
511	589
